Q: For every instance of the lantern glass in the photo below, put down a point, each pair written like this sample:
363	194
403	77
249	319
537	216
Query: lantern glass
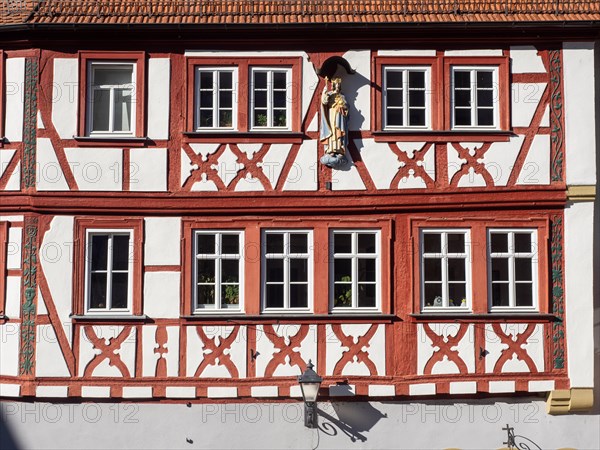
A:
310	391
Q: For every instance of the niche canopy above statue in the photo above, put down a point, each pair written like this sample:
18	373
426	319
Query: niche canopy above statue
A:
330	67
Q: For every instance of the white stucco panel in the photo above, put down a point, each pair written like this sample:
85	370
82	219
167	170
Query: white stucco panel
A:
162	241
50	176
9	356
59	270
148	170
273	162
41	304
380	161
534	348
228	166
126	351
12	307
151	355
14	182
347	178
96	169
525	59
357	89
248	184
6	156
159	71
250	149
65	96
14	95
49	360
161	294
536	168
500	158
197	351
525	100
304	171
426	348
375	350
13	248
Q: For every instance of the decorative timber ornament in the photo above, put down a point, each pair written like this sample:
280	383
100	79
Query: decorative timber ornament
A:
334	124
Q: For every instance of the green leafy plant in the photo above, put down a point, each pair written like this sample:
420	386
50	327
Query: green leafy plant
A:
345	298
231	295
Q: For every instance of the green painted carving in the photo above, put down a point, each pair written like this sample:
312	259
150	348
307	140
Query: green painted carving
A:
556	116
29	308
30	122
558	329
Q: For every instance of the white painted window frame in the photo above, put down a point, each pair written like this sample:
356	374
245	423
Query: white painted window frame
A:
511	255
92	65
286	255
88	270
444	255
405	91
496	97
216	89
354	255
270	105
218	309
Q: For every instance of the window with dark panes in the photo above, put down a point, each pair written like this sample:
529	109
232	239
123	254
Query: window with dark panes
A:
216	98
512	265
109	272
445	269
355	269
287	270
270	103
405	101
218	270
474	97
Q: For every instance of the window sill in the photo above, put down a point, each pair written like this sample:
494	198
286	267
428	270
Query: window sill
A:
110	318
123	141
266	318
443	135
497	316
234	137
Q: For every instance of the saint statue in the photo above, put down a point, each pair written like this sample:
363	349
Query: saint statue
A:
334	124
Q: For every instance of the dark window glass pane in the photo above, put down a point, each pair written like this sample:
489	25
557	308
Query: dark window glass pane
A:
484	79
230	271
260	99
432	243
342	295
462	98
225	99
225	80
206	271
366	270
456	243
225	118
205	244
522	242
279	80
523	269
366	243
499	242
274	270
456	269
98	291
395	117
279	98
298	243
433	294
279	118
230	295
500	294
260	117
456	294
416	117
206	80
393	79
366	295
112	76
206	295
462	117
485	98
342	243
122	110
462	79
342	269
298	270
274	296
260	80
485	117
120	252
416	98
206	99
274	242
99	251
206	118
433	269
394	97
230	244
298	295
416	79
101	110
499	269
524	294
119	290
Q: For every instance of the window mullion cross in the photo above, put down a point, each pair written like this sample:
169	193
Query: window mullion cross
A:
511	270
270	98
109	272
354	269
445	283
405	97
111	109
215	98
218	264
286	270
474	97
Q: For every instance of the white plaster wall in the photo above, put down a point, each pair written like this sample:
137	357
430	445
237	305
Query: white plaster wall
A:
525	59
9	349
525	100
536	168
159	72
500	158
273	162
65	95
150	357
380	160
162	241
375	350
357	89
14	182
196	351
348	178
6	156
579	112
579	289
12	307
14	98
96	169
148	170
50	176
13	249
49	360
161	294
303	173
126	351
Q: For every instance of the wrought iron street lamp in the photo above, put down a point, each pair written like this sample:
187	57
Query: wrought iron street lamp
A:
310	382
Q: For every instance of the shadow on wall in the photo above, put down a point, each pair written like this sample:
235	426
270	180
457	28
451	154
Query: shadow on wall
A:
353	418
350	86
6	439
